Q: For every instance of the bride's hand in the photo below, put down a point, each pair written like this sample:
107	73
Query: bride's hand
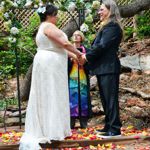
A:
82	60
74	57
78	54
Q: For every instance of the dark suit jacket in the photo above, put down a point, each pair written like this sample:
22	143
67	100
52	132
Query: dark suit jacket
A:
102	58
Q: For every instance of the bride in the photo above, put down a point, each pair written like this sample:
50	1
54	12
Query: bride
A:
48	115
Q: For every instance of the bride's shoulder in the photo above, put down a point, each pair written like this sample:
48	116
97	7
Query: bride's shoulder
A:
49	24
65	35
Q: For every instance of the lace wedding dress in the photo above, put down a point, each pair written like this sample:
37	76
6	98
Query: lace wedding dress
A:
48	114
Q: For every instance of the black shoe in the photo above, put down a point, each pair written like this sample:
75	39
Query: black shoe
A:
109	135
83	122
101	131
72	122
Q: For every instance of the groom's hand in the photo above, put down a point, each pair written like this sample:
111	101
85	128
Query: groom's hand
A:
82	59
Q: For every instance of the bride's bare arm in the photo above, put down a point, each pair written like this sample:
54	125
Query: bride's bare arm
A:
55	34
72	55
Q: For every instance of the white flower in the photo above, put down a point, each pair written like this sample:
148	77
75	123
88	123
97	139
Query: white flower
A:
41	4
41	10
14	30
12	40
88	11
2	3
96	4
84	27
28	3
49	3
6	15
7	25
72	6
15	4
89	19
2	8
18	1
36	6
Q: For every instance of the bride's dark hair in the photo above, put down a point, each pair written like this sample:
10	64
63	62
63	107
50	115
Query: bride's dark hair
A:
50	10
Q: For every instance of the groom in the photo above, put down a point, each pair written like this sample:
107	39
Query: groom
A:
104	63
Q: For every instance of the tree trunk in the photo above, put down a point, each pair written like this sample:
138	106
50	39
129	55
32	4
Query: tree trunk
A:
25	86
134	8
70	27
135	26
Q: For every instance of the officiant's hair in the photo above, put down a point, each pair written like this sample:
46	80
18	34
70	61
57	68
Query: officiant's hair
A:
79	33
50	10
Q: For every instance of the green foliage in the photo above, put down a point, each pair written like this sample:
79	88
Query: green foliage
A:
21	3
25	61
80	4
7	63
27	35
3	43
23	42
25	46
143	23
128	32
60	20
2	84
34	22
7	102
143	27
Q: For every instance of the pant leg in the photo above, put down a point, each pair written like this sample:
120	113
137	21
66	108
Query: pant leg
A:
83	122
103	101
110	90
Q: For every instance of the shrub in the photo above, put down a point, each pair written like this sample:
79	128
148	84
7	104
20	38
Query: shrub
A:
143	23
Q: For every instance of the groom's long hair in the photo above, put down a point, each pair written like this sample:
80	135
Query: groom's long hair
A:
114	13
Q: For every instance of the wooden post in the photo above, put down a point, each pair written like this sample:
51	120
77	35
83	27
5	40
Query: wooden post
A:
135	26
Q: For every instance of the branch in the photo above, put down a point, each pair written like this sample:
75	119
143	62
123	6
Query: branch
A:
139	93
134	8
32	55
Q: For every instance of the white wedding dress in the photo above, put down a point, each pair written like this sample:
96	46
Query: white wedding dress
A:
48	112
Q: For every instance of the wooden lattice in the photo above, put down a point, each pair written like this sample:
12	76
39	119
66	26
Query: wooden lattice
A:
124	2
2	28
127	22
65	17
97	25
24	15
21	15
